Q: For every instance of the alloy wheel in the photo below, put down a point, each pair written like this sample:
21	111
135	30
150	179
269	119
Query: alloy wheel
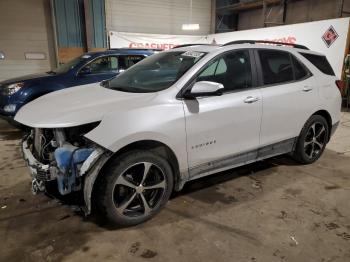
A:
139	189
315	140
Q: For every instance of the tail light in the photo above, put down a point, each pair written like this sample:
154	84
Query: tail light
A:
341	86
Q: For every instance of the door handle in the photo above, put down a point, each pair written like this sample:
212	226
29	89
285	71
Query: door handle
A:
307	88
251	99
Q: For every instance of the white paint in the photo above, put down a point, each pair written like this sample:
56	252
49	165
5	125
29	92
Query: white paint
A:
78	105
228	122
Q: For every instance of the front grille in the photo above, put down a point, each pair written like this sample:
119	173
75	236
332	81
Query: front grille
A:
42	175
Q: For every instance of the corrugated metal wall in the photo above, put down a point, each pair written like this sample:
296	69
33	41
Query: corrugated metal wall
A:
296	12
80	27
70	31
157	16
25	26
69	24
97	13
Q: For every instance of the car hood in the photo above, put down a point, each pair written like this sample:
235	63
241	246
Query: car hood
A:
26	78
77	106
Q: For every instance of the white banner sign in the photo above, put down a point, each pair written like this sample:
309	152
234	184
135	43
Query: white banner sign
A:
154	41
328	37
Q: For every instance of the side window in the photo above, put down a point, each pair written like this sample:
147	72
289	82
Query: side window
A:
103	64
127	61
320	62
276	66
210	70
222	68
299	70
233	70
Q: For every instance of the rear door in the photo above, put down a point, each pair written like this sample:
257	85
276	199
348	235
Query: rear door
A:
220	128
289	95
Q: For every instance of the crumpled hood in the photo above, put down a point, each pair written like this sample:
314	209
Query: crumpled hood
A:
26	78
77	106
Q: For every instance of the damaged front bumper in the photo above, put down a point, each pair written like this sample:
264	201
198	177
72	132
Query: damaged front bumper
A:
39	172
86	172
36	168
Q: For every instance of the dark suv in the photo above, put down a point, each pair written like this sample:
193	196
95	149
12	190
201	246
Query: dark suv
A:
86	69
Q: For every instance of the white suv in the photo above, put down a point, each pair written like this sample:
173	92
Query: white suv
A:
177	116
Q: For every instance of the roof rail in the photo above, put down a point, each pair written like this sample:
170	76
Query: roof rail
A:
179	46
237	42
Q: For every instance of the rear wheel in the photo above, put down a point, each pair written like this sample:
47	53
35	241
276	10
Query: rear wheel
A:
312	140
135	187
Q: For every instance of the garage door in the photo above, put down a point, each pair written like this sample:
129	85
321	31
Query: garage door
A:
25	37
157	16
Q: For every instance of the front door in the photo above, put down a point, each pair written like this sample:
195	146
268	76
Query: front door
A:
106	67
224	130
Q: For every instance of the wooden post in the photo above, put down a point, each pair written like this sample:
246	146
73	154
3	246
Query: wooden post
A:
284	14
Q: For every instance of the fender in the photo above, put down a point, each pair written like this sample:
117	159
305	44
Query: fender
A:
99	162
90	179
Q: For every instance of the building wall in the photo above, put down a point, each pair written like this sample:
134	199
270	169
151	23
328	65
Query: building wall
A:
98	24
157	16
80	27
298	11
70	30
25	26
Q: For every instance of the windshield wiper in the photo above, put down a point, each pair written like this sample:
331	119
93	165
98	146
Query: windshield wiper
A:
119	88
124	89
51	72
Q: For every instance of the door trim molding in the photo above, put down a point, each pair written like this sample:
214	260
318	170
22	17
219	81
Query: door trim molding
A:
241	159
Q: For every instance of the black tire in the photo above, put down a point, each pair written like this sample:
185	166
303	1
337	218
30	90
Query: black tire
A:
312	140
121	181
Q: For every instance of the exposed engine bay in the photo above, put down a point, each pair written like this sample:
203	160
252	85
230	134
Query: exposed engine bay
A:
64	155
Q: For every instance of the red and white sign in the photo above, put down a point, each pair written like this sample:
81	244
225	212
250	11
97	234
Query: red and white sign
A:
154	41
328	37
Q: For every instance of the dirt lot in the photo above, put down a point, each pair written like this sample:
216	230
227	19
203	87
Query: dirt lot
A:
273	210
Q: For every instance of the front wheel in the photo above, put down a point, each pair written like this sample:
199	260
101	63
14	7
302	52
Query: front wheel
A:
134	187
312	140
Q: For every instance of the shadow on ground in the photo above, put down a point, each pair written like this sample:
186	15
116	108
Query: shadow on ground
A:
44	227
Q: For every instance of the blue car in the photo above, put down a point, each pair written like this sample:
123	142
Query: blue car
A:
86	69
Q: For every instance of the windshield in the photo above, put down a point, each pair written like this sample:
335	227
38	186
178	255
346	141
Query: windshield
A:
64	68
155	73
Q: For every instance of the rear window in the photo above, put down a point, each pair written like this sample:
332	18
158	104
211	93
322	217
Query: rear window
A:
276	66
320	62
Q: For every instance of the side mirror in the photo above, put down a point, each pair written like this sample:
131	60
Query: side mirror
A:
205	88
85	71
104	83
